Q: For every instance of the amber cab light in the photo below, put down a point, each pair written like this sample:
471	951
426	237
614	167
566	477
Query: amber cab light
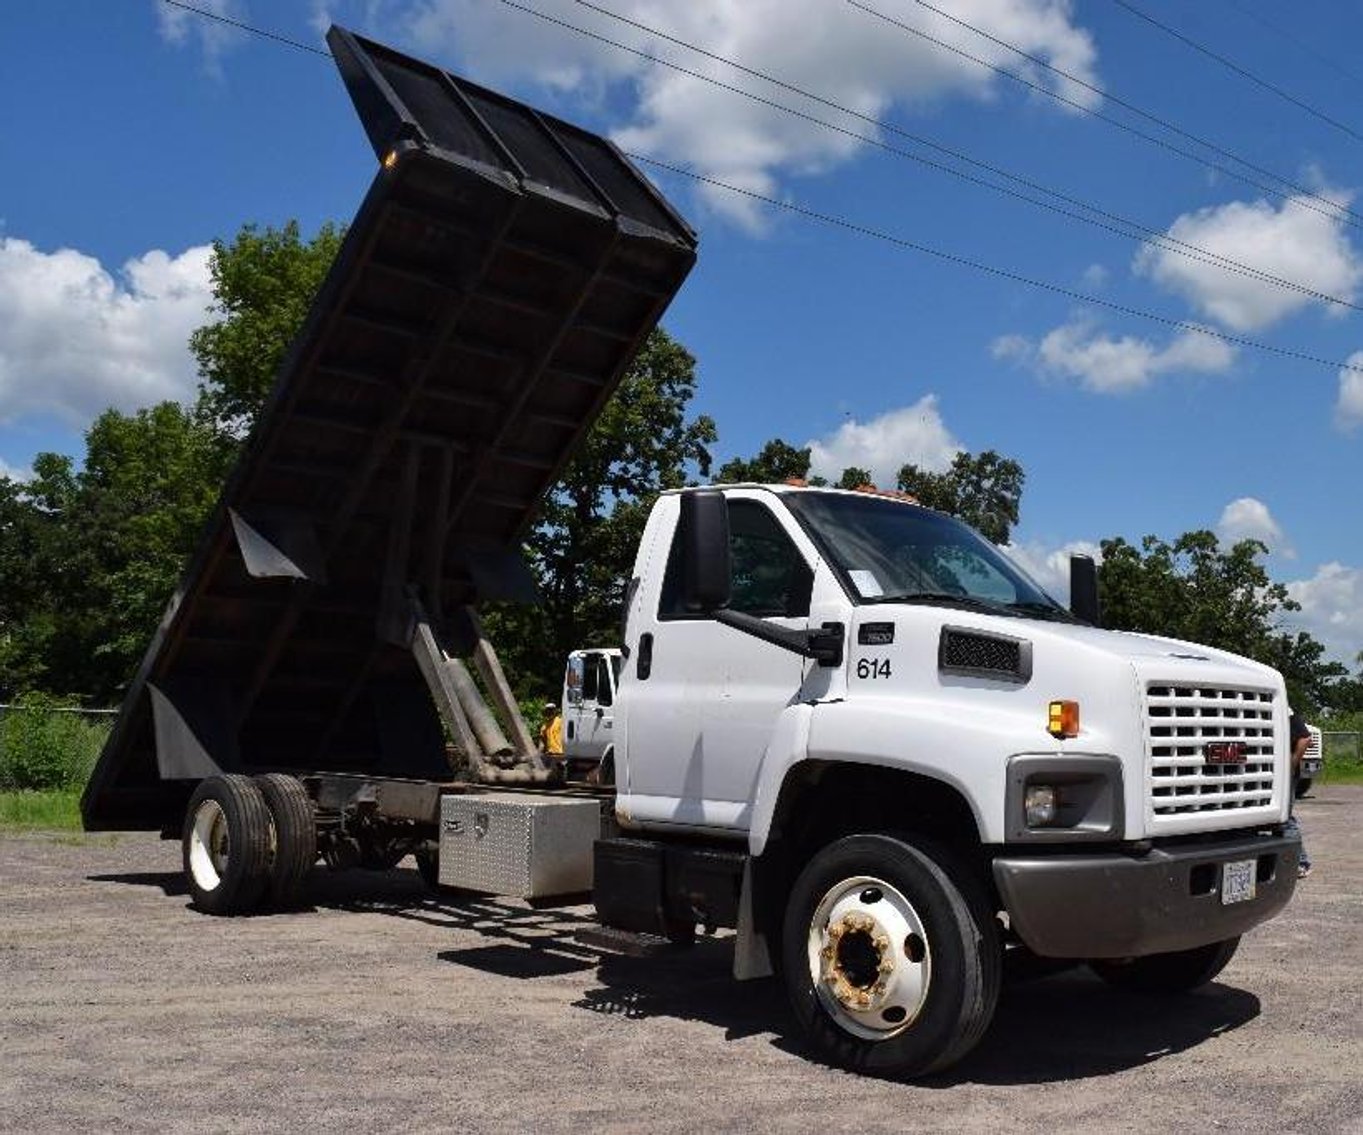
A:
1062	719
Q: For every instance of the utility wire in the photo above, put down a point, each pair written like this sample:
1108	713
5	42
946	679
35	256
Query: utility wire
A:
1241	71
247	28
1141	112
846	225
1121	226
1279	30
992	270
1335	210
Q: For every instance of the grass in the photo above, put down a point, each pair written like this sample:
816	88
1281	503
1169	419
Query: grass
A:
1341	772
50	810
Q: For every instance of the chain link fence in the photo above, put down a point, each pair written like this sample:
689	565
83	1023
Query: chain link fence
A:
46	746
1341	749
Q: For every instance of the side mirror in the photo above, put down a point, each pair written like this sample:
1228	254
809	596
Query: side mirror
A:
705	544
1084	590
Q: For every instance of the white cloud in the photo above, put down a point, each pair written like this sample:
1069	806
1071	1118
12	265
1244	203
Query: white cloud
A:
1050	567
913	434
13	472
832	50
1095	276
1349	406
1249	519
180	27
1300	241
1113	366
1332	609
76	339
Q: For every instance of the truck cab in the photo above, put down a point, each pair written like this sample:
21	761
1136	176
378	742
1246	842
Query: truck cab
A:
590	680
898	742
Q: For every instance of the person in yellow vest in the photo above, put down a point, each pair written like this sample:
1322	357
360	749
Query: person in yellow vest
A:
551	732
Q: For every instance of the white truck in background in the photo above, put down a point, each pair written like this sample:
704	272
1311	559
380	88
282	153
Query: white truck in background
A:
1312	763
590	681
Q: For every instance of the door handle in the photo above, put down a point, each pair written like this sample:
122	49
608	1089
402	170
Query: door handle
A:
643	665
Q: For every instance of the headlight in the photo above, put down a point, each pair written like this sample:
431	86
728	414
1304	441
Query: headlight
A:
1039	804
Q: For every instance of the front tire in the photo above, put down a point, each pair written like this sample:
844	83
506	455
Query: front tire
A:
1178	972
1303	786
889	967
226	845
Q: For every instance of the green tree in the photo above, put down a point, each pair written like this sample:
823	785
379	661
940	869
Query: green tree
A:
777	462
263	285
1195	590
583	545
102	549
984	490
853	477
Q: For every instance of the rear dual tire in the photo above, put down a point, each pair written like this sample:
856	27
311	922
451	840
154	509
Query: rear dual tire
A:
246	841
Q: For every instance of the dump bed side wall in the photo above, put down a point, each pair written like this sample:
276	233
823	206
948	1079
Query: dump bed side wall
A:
495	284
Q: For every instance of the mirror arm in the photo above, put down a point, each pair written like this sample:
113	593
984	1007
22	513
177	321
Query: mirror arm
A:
824	644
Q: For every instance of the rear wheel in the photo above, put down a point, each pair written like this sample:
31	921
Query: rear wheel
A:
1177	972
226	845
889	967
295	837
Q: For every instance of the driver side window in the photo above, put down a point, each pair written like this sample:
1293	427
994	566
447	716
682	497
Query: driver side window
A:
770	576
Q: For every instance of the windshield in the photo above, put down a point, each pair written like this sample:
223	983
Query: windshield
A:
891	552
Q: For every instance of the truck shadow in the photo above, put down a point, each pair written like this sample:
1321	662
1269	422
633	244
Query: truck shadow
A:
1072	1026
1048	1027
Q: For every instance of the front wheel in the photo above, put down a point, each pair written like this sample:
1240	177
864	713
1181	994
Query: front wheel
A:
1303	787
1177	972
889	967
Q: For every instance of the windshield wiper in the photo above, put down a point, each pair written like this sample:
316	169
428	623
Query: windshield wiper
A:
1043	611
945	598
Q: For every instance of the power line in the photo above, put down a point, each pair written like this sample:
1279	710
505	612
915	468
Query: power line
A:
1142	233
1164	123
1241	71
1336	211
992	270
1122	226
247	27
903	243
1279	30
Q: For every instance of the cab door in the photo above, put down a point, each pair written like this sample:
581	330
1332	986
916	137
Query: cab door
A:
703	699
596	723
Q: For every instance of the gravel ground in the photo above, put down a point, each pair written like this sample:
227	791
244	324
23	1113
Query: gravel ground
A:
383	1009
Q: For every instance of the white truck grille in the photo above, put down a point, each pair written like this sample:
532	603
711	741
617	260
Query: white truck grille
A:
1190	733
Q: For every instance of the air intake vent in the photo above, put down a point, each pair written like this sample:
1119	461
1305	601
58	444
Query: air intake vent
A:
979	655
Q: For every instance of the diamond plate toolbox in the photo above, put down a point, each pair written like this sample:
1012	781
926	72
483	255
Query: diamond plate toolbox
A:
518	844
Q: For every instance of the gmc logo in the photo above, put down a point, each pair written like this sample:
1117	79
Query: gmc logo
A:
1223	752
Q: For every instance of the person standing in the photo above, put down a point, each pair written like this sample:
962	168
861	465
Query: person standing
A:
551	732
1299	738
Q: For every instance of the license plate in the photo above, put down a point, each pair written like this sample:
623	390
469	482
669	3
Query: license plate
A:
1237	881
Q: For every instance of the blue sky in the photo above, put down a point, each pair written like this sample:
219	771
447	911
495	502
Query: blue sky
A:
134	133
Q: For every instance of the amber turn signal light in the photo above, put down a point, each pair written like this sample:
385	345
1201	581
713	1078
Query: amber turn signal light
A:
1062	719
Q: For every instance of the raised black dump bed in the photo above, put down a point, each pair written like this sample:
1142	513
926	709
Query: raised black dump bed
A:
499	277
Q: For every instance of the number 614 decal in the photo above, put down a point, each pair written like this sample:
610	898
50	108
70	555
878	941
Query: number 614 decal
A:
873	667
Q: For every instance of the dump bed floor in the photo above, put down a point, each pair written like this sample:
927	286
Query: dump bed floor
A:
499	277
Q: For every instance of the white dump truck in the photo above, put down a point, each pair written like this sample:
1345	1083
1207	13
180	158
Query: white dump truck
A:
845	726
